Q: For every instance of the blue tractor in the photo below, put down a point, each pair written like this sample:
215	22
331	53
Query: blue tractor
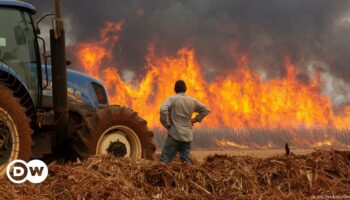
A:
53	113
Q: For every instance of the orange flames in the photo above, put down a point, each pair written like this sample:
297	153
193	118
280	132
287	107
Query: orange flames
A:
241	99
231	144
323	143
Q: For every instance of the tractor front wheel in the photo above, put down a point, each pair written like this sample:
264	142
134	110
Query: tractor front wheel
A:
15	132
114	130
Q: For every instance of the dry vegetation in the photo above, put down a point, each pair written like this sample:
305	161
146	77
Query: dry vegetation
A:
200	155
316	175
259	138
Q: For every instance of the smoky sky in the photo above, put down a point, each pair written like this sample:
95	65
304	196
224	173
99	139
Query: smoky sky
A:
268	30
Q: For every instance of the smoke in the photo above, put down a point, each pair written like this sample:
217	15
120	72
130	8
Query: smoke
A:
306	30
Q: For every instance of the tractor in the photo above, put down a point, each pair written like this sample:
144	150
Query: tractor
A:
53	113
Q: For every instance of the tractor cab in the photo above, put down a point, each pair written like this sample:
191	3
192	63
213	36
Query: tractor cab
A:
18	48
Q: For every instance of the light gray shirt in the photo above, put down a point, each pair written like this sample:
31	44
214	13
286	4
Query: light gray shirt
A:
176	113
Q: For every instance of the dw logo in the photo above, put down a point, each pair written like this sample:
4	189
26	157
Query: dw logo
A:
35	171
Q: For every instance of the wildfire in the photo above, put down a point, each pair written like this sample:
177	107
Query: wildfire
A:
241	99
323	143
227	143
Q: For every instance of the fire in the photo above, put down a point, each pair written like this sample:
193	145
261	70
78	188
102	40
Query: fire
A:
227	143
323	143
241	99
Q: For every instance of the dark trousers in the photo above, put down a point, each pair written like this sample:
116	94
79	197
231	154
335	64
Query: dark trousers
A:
172	146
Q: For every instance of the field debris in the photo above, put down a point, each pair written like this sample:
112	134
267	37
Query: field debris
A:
317	175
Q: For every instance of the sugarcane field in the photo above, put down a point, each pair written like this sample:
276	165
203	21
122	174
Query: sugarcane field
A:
186	99
322	174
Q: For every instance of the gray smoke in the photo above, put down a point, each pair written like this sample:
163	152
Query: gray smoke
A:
309	31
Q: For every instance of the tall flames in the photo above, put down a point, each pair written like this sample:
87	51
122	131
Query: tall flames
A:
241	99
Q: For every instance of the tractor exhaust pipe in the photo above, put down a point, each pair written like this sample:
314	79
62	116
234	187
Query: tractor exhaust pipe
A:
59	68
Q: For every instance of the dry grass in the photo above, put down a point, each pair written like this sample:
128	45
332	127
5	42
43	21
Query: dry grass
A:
217	177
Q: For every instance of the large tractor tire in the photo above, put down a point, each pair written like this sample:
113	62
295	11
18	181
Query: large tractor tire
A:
114	130
15	132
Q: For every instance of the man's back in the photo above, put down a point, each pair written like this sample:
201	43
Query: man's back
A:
176	114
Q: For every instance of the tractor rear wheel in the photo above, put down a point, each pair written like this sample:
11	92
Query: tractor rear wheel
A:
15	132
114	130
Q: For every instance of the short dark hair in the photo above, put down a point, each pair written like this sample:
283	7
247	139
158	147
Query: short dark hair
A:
180	86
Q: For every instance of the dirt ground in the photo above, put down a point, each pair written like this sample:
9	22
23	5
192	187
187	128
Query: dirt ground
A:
200	155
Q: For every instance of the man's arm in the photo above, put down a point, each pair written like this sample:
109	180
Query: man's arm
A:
202	111
164	113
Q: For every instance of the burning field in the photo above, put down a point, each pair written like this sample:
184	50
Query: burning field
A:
319	175
270	72
274	74
247	111
240	99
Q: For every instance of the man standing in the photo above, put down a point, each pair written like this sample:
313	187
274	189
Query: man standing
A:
176	116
